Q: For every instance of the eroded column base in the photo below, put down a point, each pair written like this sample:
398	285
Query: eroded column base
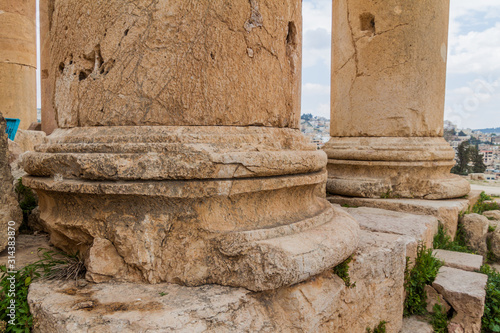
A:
242	207
393	168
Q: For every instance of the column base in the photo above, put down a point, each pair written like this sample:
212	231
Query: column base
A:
235	206
390	167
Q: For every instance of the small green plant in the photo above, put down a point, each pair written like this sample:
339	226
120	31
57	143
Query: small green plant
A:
162	294
482	206
491	316
14	286
439	319
342	270
380	328
492	228
423	273
444	242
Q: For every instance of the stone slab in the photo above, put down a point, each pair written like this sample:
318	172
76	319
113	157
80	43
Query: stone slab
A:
464	261
320	304
465	291
445	211
492	214
415	325
418	228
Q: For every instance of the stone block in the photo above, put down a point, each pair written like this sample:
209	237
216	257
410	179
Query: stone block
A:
459	260
465	292
27	140
495	243
446	211
492	214
476	230
433	298
418	228
9	207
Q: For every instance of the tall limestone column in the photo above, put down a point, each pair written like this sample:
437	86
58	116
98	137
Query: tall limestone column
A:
388	88
178	156
18	60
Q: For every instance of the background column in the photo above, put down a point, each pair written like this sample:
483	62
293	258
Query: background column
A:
388	90
18	60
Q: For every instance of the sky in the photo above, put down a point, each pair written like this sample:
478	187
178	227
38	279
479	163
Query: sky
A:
473	77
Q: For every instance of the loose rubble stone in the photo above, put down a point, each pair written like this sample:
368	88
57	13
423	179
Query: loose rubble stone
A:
27	140
465	291
493	214
459	260
320	304
446	211
433	298
476	230
9	207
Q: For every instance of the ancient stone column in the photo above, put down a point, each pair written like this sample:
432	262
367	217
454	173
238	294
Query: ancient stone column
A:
388	88
178	156
18	60
49	123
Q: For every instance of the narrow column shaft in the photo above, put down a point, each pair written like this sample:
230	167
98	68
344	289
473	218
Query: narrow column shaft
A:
18	60
388	88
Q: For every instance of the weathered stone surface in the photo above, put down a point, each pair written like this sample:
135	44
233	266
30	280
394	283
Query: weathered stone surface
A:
476	229
9	207
262	234
388	83
495	243
433	298
18	60
34	221
178	148
321	304
465	291
182	63
446	211
414	325
27	140
27	249
459	260
455	328
419	228
492	214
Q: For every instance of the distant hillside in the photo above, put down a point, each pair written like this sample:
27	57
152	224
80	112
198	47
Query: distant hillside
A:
490	130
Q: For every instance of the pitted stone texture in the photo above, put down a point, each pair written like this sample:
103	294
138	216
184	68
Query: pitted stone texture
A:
446	211
389	68
459	260
495	243
191	152
418	228
9	207
433	298
493	214
321	304
465	291
387	167
476	229
176	63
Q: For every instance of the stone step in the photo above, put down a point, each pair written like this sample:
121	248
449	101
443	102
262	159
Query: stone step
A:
465	292
417	228
415	325
460	260
321	304
445	211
